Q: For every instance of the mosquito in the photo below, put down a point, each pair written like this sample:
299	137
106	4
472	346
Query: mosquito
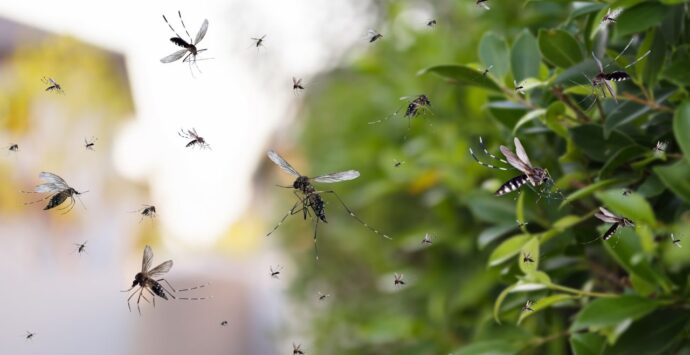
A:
196	139
297	349
483	3
146	280
521	224
609	18
527	258
147	211
297	84
52	85
373	36
608	217
90	144
519	88
675	241
660	148
190	50
275	273
534	176
311	198
29	335
427	239
486	71
431	23
416	105
603	79
224	323
398	280
13	148
323	296
627	192
58	191
81	248
528	306
258	42
397	163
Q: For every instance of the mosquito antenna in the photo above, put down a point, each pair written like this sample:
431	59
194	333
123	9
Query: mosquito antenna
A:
288	214
79	198
179	13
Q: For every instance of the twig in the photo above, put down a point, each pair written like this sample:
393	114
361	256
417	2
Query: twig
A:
558	92
651	104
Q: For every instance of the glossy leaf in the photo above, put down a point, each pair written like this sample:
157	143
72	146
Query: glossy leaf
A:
525	57
463	75
493	50
606	312
559	47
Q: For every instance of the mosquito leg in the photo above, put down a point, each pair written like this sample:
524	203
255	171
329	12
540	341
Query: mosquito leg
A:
171	28
179	13
130	297
141	292
486	151
193	288
316	248
169	285
153	297
353	215
489	154
32	202
290	213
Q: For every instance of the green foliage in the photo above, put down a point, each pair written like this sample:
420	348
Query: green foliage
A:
466	291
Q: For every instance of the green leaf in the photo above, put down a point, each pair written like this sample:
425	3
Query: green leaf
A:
590	189
489	347
620	158
653	334
463	75
525	57
559	48
507	112
591	140
678	71
629	111
608	312
492	233
639	18
650	67
529	116
586	344
553	116
676	177
632	206
493	50
545	303
488	208
519	286
530	248
508	249
681	128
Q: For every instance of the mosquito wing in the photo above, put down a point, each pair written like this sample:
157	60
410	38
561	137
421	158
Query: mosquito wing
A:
607	212
336	177
161	269
202	32
53	183
173	57
514	160
278	160
520	150
607	216
601	67
484	5
146	260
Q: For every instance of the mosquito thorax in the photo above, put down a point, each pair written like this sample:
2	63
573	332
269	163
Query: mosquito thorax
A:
539	176
302	183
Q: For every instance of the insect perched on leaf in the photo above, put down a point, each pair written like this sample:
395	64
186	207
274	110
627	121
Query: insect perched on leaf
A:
528	306
275	272
427	239
297	84
608	217
484	4
52	85
323	296
147	211
309	198
90	144
373	36
534	176
58	191
224	323
146	280
81	248
527	258
486	71
190	50
196	139
603	79
609	18
29	335
258	42
675	241
297	349
398	280
431	23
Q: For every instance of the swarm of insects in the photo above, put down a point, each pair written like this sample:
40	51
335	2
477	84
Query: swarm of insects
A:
275	272
483	4
297	349
81	248
190	50
534	176
373	36
608	217
603	79
58	191
527	258
90	144
398	281
427	239
528	306
309	198
323	296
258	41
52	85
609	18
29	335
297	84
431	23
196	139
147	211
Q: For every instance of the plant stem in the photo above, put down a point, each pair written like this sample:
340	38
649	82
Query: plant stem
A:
581	293
558	92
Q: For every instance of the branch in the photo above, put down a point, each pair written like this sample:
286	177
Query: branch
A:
558	92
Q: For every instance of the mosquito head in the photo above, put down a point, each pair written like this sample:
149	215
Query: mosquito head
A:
628	223
301	183
138	280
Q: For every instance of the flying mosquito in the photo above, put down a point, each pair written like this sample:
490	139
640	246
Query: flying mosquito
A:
373	36
675	241
58	191
431	23
427	239
297	349
602	79
147	211
608	217
486	71
146	280
660	148
258	42
519	88
398	280
90	144
528	306
521	224
609	18
29	335
275	273
311	198
323	296
13	148
397	163
527	258
534	176
297	84
196	139
81	248
627	192
224	323
483	3
52	85
190	50
416	105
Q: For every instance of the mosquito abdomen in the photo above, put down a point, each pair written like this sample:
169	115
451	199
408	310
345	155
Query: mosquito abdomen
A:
158	290
57	199
617	76
512	185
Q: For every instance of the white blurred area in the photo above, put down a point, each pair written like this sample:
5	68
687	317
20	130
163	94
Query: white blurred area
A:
242	104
